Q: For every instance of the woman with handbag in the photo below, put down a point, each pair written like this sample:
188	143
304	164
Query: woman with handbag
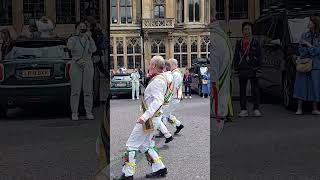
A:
307	83
205	85
247	59
82	71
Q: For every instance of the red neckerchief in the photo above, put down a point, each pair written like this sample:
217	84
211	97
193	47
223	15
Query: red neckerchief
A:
245	46
153	75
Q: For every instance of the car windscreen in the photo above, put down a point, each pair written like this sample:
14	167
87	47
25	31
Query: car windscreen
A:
18	52
297	27
121	78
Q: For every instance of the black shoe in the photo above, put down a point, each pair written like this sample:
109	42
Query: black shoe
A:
160	173
123	177
179	129
168	139
160	135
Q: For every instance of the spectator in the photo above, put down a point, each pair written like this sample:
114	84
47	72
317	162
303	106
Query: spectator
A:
5	42
141	75
135	77
307	84
187	80
82	71
45	27
247	59
205	85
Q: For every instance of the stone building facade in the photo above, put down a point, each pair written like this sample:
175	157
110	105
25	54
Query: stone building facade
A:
141	29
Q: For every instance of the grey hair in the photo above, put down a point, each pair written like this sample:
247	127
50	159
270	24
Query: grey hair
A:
168	65
158	62
173	61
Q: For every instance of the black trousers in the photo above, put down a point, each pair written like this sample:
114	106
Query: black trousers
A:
255	91
187	89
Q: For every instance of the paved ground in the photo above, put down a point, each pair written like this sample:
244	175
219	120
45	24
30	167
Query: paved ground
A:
187	157
279	146
44	144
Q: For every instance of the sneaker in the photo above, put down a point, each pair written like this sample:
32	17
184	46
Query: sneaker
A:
316	112
186	97
257	113
299	112
244	113
179	129
133	99
74	117
90	116
160	173
168	139
190	97
138	98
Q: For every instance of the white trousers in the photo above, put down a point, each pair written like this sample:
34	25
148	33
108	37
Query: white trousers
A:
139	140
167	113
81	78
135	89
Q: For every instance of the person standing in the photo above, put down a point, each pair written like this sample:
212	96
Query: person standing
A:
248	62
141	136
221	74
135	82
82	46
307	84
205	85
187	80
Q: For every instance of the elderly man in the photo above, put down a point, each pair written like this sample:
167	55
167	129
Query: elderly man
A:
177	96
221	65
143	132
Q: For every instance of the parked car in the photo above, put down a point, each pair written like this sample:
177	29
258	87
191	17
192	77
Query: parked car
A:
36	72
121	84
279	33
197	70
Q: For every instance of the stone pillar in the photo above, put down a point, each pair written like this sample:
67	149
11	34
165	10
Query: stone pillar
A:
50	9
78	10
17	16
202	11
171	45
170	8
186	12
125	61
104	14
134	11
147	9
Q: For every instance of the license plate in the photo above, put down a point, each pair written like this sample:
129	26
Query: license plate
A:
36	73
121	85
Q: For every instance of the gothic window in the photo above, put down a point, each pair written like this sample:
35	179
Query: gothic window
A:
5	12
90	8
194	10
33	9
134	53
205	47
238	9
65	11
120	55
158	48
159	8
181	52
194	48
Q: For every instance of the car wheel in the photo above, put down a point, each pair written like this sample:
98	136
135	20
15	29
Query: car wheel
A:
287	92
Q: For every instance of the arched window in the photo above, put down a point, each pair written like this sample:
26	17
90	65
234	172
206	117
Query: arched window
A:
33	9
6	12
134	53
66	11
159	8
90	8
158	48
205	47
194	10
194	49
120	55
181	52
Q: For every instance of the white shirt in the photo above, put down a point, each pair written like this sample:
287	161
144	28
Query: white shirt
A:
177	81
44	28
135	76
154	96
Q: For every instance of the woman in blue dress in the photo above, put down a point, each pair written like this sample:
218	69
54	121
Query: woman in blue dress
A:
307	85
205	85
